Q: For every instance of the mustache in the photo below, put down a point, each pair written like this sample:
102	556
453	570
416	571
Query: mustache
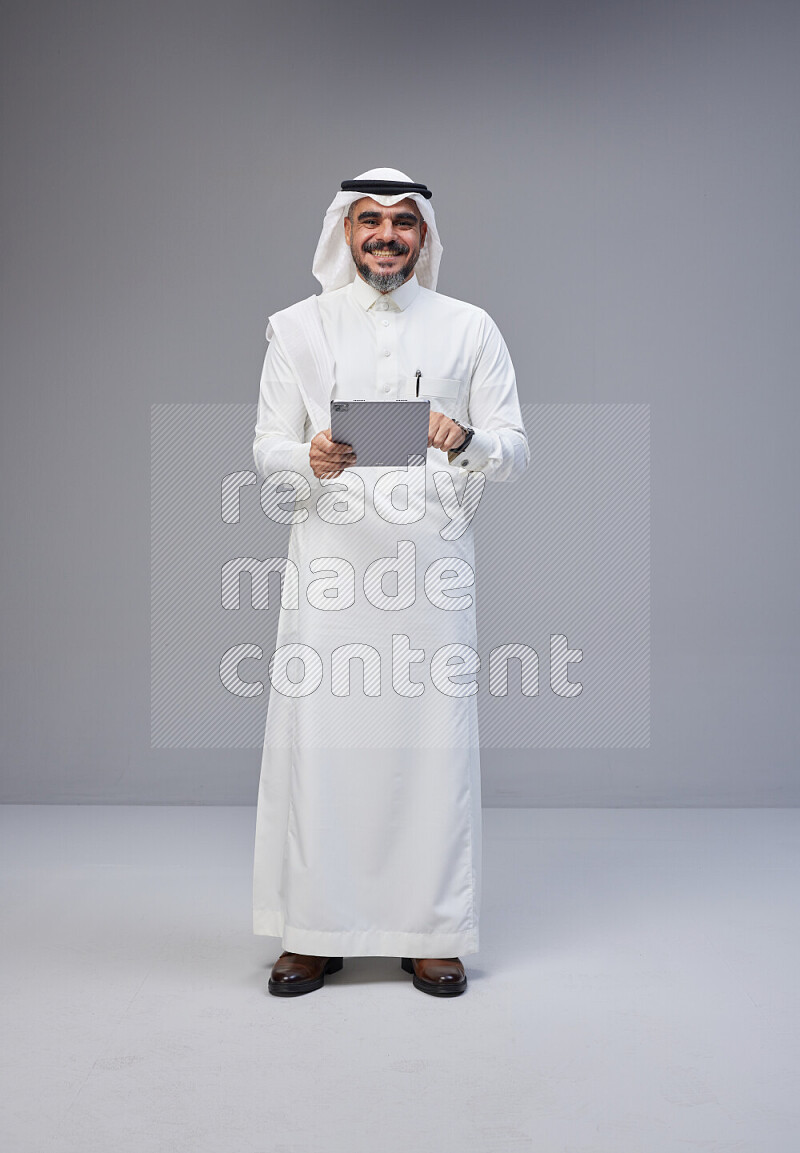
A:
396	247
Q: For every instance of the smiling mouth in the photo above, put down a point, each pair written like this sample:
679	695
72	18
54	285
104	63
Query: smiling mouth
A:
384	254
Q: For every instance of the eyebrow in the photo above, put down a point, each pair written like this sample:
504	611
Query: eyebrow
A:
369	214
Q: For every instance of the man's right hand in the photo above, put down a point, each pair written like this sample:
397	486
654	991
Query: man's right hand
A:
329	457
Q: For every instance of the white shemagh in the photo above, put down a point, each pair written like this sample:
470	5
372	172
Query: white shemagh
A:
333	261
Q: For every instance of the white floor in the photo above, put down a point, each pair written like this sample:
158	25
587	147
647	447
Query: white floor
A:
636	992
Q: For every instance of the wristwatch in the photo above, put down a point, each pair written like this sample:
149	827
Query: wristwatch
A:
470	432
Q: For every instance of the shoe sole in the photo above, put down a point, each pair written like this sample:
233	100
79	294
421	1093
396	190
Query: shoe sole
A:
434	990
297	988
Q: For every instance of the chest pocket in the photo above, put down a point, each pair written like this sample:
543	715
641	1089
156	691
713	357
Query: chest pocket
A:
439	386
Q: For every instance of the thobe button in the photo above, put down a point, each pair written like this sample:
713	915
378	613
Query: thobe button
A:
387	388
463	462
386	352
385	323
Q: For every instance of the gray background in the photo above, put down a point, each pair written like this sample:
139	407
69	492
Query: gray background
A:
616	183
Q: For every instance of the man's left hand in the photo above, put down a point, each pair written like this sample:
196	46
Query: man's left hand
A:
444	433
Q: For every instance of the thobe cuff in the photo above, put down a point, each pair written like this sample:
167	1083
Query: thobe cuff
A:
301	463
273	454
479	452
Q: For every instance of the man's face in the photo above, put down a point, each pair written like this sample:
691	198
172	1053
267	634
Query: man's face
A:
385	242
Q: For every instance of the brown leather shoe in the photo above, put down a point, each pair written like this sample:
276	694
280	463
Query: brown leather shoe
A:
441	976
296	973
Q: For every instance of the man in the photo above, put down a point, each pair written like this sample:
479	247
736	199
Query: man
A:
368	830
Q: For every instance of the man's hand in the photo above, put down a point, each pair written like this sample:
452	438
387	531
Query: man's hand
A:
444	433
329	457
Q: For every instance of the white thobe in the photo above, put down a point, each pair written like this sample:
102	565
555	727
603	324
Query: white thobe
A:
368	827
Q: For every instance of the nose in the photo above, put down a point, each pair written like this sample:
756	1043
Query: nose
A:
386	230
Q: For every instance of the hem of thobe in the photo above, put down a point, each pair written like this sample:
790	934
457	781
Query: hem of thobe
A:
365	942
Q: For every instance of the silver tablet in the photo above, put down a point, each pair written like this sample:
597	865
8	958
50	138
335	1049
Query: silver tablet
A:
383	432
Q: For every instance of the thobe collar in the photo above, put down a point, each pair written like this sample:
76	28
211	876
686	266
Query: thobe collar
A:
399	299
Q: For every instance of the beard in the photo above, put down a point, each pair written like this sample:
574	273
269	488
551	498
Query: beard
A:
384	281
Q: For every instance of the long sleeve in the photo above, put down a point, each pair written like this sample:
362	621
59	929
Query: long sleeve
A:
281	426
499	447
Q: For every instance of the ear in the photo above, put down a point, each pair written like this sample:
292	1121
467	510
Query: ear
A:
423	232
348	229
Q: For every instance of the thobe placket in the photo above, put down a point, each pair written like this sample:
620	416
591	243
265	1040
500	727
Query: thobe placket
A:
387	364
